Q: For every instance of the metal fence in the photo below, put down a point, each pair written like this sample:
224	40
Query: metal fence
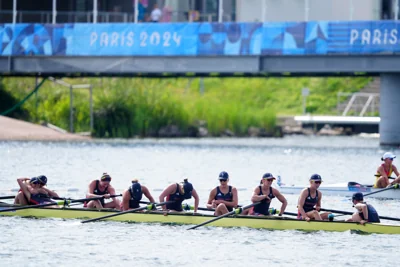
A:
358	104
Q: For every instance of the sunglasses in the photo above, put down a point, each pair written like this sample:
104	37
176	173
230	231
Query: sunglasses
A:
317	182
268	179
221	180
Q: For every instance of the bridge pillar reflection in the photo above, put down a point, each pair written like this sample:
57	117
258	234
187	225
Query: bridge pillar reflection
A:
389	126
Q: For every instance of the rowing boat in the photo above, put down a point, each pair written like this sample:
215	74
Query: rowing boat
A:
344	189
267	222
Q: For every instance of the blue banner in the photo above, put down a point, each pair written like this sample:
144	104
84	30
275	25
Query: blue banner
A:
192	39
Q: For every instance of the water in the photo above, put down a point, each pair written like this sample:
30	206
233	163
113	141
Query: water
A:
157	163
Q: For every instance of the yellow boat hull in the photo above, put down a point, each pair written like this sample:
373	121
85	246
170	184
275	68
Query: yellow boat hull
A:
268	222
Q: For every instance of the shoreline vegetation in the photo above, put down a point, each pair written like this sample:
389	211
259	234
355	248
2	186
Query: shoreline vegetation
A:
176	107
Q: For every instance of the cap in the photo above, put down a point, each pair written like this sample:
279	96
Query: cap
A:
388	155
223	176
315	177
42	179
268	176
105	177
34	180
187	188
358	196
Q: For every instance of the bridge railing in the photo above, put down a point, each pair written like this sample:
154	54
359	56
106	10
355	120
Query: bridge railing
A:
22	16
358	104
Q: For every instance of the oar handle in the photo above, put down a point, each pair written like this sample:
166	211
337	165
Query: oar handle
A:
69	200
390	177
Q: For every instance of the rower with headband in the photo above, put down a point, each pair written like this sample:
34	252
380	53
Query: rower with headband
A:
102	187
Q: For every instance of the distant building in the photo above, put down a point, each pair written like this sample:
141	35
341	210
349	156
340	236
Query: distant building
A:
29	11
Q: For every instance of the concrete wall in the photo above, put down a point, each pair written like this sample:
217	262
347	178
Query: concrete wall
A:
295	10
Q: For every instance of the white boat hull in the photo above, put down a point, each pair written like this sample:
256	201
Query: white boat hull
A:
343	189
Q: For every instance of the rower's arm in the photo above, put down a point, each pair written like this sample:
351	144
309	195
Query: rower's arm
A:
301	202
111	191
196	199
24	187
363	208
235	199
256	198
318	206
147	194
125	200
282	199
211	198
91	188
167	191
50	192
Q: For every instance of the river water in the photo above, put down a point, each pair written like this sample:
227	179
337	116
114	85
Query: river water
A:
157	163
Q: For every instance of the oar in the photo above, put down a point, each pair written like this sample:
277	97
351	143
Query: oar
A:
351	213
84	199
235	211
148	207
60	203
7	197
390	177
395	186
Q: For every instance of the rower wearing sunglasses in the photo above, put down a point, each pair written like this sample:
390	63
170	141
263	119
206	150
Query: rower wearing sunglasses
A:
33	191
102	187
178	192
223	198
309	203
264	193
385	170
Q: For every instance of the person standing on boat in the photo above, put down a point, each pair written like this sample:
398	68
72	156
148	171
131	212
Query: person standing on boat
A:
103	188
264	193
35	192
178	192
385	170
309	203
223	198
365	212
132	196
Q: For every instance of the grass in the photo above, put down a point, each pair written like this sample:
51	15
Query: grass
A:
126	107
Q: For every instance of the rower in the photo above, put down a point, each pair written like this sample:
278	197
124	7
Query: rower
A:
309	199
223	198
178	192
385	170
35	192
365	212
103	188
132	196
264	193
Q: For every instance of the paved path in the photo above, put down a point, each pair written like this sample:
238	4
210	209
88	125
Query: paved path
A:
12	129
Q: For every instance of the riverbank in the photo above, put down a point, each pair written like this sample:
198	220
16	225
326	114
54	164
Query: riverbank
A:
17	130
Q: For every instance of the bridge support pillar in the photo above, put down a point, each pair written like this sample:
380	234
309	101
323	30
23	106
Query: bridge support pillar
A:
389	126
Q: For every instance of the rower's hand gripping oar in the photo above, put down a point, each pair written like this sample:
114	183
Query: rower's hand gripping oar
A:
148	207
235	211
390	177
60	203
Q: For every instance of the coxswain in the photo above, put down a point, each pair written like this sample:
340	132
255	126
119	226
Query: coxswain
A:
365	212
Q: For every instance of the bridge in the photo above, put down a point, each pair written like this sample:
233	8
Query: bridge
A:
314	48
